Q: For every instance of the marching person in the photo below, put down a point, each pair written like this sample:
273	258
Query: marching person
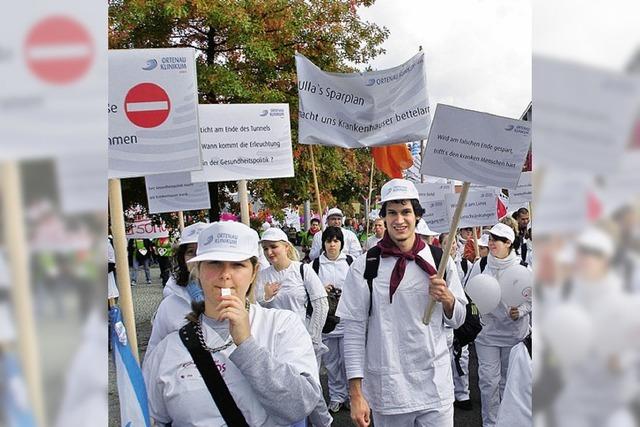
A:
503	328
333	266
179	290
306	238
139	251
262	360
396	365
291	285
378	230
351	243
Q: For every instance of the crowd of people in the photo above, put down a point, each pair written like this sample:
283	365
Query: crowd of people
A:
248	320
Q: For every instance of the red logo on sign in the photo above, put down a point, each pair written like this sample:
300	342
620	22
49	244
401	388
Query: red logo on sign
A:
147	105
59	50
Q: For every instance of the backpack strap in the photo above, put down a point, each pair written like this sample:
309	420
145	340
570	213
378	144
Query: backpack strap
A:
371	271
483	263
309	307
212	378
349	260
315	265
527	343
465	265
436	253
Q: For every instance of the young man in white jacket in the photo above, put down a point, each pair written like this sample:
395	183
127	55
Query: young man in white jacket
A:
351	243
397	366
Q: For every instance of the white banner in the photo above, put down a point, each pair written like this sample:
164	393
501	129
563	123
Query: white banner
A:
479	208
477	147
153	112
244	141
523	193
173	192
428	192
362	109
436	215
144	229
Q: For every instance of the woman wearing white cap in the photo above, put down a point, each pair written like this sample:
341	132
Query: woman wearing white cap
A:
266	371
291	285
179	291
503	328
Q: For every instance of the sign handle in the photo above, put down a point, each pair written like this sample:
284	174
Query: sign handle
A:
315	182
368	208
243	198
475	241
445	256
181	220
122	265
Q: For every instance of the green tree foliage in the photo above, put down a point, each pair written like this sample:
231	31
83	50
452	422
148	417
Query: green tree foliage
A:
245	54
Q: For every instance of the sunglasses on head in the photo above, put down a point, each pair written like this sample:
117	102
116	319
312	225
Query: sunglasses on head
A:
498	238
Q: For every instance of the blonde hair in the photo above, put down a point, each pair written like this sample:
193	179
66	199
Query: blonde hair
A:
507	220
292	252
197	308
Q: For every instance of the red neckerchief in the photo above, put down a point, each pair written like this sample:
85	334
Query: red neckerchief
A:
389	249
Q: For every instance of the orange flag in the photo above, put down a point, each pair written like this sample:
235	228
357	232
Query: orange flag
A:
392	159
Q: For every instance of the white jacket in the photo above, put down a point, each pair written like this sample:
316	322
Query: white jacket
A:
334	273
351	246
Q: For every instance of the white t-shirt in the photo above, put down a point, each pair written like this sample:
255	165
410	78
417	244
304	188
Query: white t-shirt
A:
333	273
292	295
407	364
169	317
175	388
351	244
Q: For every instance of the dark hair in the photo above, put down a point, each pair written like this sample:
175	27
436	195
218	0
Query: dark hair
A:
181	272
503	240
418	210
330	233
315	220
197	308
519	212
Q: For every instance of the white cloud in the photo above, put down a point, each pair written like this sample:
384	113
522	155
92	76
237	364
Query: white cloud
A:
478	52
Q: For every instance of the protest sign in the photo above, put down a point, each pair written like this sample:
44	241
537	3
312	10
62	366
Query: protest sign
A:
432	199
173	192
153	112
523	192
362	109
476	147
244	141
479	208
428	192
144	229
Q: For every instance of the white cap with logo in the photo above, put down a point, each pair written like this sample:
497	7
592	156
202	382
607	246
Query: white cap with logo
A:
398	189
484	241
334	212
226	241
190	233
274	235
502	230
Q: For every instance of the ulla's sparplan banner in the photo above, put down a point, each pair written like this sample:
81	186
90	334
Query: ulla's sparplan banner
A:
244	141
153	112
363	109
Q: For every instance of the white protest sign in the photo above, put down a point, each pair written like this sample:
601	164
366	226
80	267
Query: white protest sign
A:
153	112
562	203
173	192
362	109
81	184
144	229
436	215
523	192
244	141
433	191
54	68
584	115
479	208
476	147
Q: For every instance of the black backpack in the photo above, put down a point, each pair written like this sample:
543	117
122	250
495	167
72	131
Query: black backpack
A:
333	297
466	333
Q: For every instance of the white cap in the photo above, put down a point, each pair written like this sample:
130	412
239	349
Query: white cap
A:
226	241
596	240
423	229
502	230
266	226
398	189
334	211
274	235
484	241
190	233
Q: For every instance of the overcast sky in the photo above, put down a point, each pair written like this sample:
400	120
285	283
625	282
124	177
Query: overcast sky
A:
478	52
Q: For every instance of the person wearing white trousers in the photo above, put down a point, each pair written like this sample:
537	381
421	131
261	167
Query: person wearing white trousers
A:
333	266
502	329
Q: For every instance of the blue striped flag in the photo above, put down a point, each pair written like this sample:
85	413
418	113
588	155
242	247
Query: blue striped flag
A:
134	407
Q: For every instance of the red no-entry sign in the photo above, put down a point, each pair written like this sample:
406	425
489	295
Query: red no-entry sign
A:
147	105
59	50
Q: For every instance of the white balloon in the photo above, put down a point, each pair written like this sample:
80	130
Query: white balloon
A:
484	290
568	331
516	285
